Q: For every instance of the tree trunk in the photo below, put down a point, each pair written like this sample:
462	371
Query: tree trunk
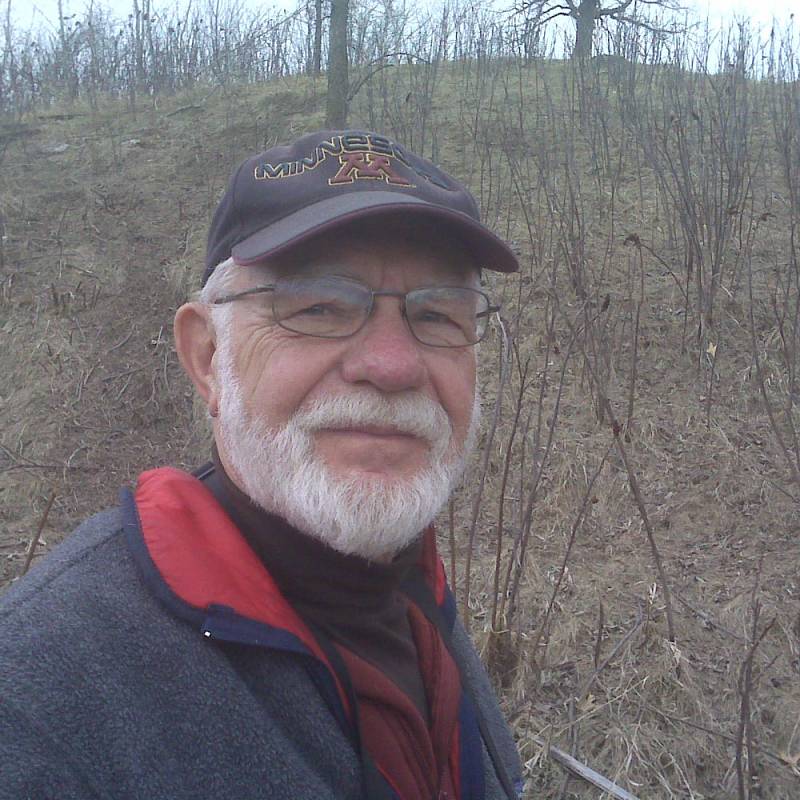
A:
316	59
336	110
584	29
138	44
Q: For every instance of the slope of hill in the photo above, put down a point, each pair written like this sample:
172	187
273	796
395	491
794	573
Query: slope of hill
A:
645	413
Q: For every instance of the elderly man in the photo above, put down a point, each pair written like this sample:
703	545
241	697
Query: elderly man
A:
277	624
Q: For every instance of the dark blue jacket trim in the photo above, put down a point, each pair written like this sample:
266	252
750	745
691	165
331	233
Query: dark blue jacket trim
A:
222	622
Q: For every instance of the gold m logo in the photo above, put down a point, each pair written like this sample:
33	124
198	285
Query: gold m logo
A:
371	166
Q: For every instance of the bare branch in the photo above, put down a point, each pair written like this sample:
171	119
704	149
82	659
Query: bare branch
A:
555	16
640	23
613	11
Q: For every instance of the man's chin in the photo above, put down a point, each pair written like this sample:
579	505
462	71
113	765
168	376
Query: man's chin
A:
377	477
373	458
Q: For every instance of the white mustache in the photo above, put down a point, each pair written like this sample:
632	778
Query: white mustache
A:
413	414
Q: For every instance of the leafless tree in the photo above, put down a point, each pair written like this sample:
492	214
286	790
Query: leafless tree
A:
315	62
589	14
336	109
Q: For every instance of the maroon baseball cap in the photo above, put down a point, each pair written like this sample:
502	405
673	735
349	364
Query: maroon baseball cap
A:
293	192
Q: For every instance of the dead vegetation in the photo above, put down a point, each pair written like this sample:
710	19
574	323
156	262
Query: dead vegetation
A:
627	551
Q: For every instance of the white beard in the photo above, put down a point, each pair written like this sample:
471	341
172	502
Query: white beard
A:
371	517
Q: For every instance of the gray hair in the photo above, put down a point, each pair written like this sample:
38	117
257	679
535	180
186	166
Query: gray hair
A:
220	282
223	280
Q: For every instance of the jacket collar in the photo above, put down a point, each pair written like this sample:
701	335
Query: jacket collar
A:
184	541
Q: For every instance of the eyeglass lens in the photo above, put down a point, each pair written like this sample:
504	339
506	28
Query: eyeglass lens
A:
334	307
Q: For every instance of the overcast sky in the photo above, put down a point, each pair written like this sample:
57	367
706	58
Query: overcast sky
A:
718	11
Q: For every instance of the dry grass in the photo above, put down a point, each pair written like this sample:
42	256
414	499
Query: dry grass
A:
106	238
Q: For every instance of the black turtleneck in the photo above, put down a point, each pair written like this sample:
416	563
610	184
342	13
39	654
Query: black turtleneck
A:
353	601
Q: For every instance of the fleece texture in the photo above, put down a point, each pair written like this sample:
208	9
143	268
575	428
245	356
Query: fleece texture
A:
104	693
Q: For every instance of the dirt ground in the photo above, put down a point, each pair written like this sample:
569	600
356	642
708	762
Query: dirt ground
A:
104	217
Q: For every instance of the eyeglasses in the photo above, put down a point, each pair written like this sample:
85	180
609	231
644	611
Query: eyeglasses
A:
334	307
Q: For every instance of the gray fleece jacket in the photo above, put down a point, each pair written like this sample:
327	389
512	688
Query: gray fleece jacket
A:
106	692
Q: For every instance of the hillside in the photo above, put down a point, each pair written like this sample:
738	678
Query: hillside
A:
646	411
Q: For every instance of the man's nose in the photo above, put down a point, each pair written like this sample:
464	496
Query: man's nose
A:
384	352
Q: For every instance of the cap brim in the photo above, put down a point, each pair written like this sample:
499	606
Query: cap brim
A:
490	250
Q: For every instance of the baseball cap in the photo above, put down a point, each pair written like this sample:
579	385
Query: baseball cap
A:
290	193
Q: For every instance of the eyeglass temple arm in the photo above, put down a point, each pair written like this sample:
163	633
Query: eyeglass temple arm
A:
229	298
490	310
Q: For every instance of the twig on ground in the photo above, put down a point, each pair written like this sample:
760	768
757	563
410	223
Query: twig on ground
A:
746	775
20	462
35	539
570	543
584	771
120	343
190	107
612	655
771	754
598	642
707	619
633	482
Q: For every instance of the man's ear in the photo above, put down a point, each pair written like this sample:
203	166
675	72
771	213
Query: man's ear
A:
196	344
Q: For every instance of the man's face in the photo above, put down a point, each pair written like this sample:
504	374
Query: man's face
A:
376	421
